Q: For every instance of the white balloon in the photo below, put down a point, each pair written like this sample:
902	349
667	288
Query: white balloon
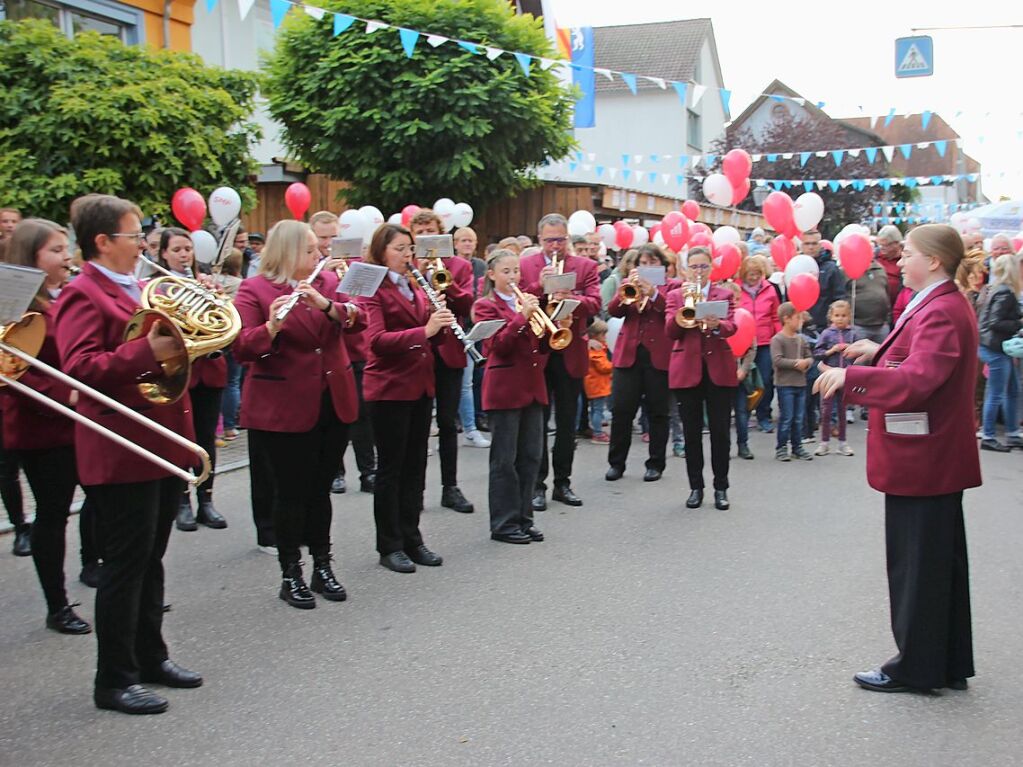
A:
808	210
445	208
718	189
581	223
463	214
958	220
354	225
205	246
640	236
987	244
724	235
658	239
224	205
801	264
395	219
372	214
607	235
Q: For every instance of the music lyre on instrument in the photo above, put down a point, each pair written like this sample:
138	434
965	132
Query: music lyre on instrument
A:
436	248
692	294
21	341
470	347
541	324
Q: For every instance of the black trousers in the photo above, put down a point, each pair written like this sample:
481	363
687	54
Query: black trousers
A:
402	430
205	415
563	391
52	475
261	492
10	486
135	522
929	589
92	550
630	385
718	402
302	466
516	441
449	394
361	433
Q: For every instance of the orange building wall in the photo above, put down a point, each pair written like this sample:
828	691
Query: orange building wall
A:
181	18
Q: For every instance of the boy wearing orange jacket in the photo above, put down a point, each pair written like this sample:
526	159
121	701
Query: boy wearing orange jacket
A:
597	384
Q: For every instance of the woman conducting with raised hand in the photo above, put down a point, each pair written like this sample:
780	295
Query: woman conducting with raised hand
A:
922	454
298	399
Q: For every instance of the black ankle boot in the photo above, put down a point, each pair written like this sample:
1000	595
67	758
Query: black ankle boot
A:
325	583
209	516
293	588
23	540
186	519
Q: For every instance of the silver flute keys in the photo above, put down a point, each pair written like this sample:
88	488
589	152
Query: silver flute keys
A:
470	347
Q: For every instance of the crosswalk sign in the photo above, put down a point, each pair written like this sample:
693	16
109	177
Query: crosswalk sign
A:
914	56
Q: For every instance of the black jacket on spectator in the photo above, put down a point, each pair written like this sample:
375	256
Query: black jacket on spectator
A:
999	318
832	281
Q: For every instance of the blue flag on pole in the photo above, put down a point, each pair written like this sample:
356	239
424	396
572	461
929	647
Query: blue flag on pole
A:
583	77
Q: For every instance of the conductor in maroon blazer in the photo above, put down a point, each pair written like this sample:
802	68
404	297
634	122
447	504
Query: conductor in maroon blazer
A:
702	374
136	501
922	454
566	368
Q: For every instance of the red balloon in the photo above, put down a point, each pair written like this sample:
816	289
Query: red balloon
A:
700	228
856	255
1017	244
701	240
804	290
737	165
623	235
828	246
782	250
745	330
675	231
408	213
726	262
297	198
778	211
739	191
691	209
189	208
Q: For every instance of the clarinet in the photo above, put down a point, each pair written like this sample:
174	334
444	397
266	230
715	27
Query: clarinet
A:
295	297
470	347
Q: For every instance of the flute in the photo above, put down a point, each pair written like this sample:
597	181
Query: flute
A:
296	296
470	347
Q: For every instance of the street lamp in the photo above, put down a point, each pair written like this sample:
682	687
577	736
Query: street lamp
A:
759	195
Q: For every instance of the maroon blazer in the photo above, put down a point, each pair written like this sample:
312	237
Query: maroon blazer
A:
646	327
587	291
399	365
928	364
516	359
694	347
288	375
29	425
209	372
92	314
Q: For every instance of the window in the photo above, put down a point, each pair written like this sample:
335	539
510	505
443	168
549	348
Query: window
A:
73	17
694	136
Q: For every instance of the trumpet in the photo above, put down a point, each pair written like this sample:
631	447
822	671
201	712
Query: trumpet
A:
470	347
628	293
541	324
21	341
295	297
692	293
441	278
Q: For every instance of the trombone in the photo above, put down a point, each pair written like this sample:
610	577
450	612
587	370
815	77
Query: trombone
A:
541	324
21	341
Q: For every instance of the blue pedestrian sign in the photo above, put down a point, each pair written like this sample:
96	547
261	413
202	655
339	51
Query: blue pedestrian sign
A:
914	56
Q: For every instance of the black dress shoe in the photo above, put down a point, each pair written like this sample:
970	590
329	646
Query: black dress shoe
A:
540	500
958	684
170	674
338	486
294	590
482	422
721	500
397	561
614	474
134	699
534	534
368	484
324	581
878	681
186	519
452	498
516	537
423	556
651	475
90	574
695	499
566	496
23	541
66	621
745	453
209	516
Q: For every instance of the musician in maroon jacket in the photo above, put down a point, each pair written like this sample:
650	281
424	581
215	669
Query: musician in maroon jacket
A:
298	400
641	357
43	439
566	368
922	454
702	375
449	361
136	500
399	386
514	396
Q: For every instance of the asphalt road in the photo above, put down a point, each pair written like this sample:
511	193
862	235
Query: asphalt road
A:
638	633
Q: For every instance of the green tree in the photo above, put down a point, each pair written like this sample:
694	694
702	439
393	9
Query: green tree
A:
90	114
445	123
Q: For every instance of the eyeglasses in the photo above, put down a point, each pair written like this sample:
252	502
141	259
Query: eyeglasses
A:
405	249
554	240
700	267
139	237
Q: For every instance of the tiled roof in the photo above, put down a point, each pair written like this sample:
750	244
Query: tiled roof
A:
908	129
665	49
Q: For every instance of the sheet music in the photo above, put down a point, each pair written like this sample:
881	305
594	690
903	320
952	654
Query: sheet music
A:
346	247
481	331
655	275
565	308
705	309
18	285
552	283
435	246
226	243
362	279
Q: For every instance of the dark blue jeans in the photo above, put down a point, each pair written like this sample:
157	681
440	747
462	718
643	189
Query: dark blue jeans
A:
233	393
791	410
741	415
762	360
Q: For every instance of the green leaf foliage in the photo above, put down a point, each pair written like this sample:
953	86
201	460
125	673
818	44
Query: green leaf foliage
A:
445	123
94	115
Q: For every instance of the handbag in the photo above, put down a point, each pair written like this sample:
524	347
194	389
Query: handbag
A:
1013	347
753	383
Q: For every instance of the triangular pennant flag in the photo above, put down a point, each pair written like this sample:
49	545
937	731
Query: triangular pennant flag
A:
906	149
837	156
666	178
759	157
681	90
210	5
600	171
777	98
523	60
822	153
437	40
844	183
658	82
923	145
787	156
821	184
972	178
408	40
579	156
890	117
820	105
612	172
854	152
726	97
787	184
316	13
471	47
572	166
625	159
777	185
803	157
925	119
652	176
698	91
936	180
278	10
696	160
833	185
871	152
941	146
654	158
493	53
371	26
808	186
625	174
546	64
244	6
606	73
799	100
680	179
638	158
859	185
910	182
630	80
888	152
342	21
708	160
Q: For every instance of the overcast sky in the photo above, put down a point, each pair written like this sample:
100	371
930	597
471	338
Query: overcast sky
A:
829	52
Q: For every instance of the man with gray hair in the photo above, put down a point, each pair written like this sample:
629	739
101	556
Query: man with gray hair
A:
1001	245
888	253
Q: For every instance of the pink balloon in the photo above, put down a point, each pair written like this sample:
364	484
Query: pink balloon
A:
828	246
701	240
745	330
737	165
740	190
408	213
691	209
623	235
700	228
856	255
675	231
1017	244
297	197
726	262
189	208
782	250
804	290
778	211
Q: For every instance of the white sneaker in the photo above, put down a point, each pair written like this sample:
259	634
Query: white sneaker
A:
850	417
822	449
980	434
271	550
845	450
476	439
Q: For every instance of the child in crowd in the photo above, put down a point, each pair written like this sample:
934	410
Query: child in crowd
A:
597	384
830	345
791	356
